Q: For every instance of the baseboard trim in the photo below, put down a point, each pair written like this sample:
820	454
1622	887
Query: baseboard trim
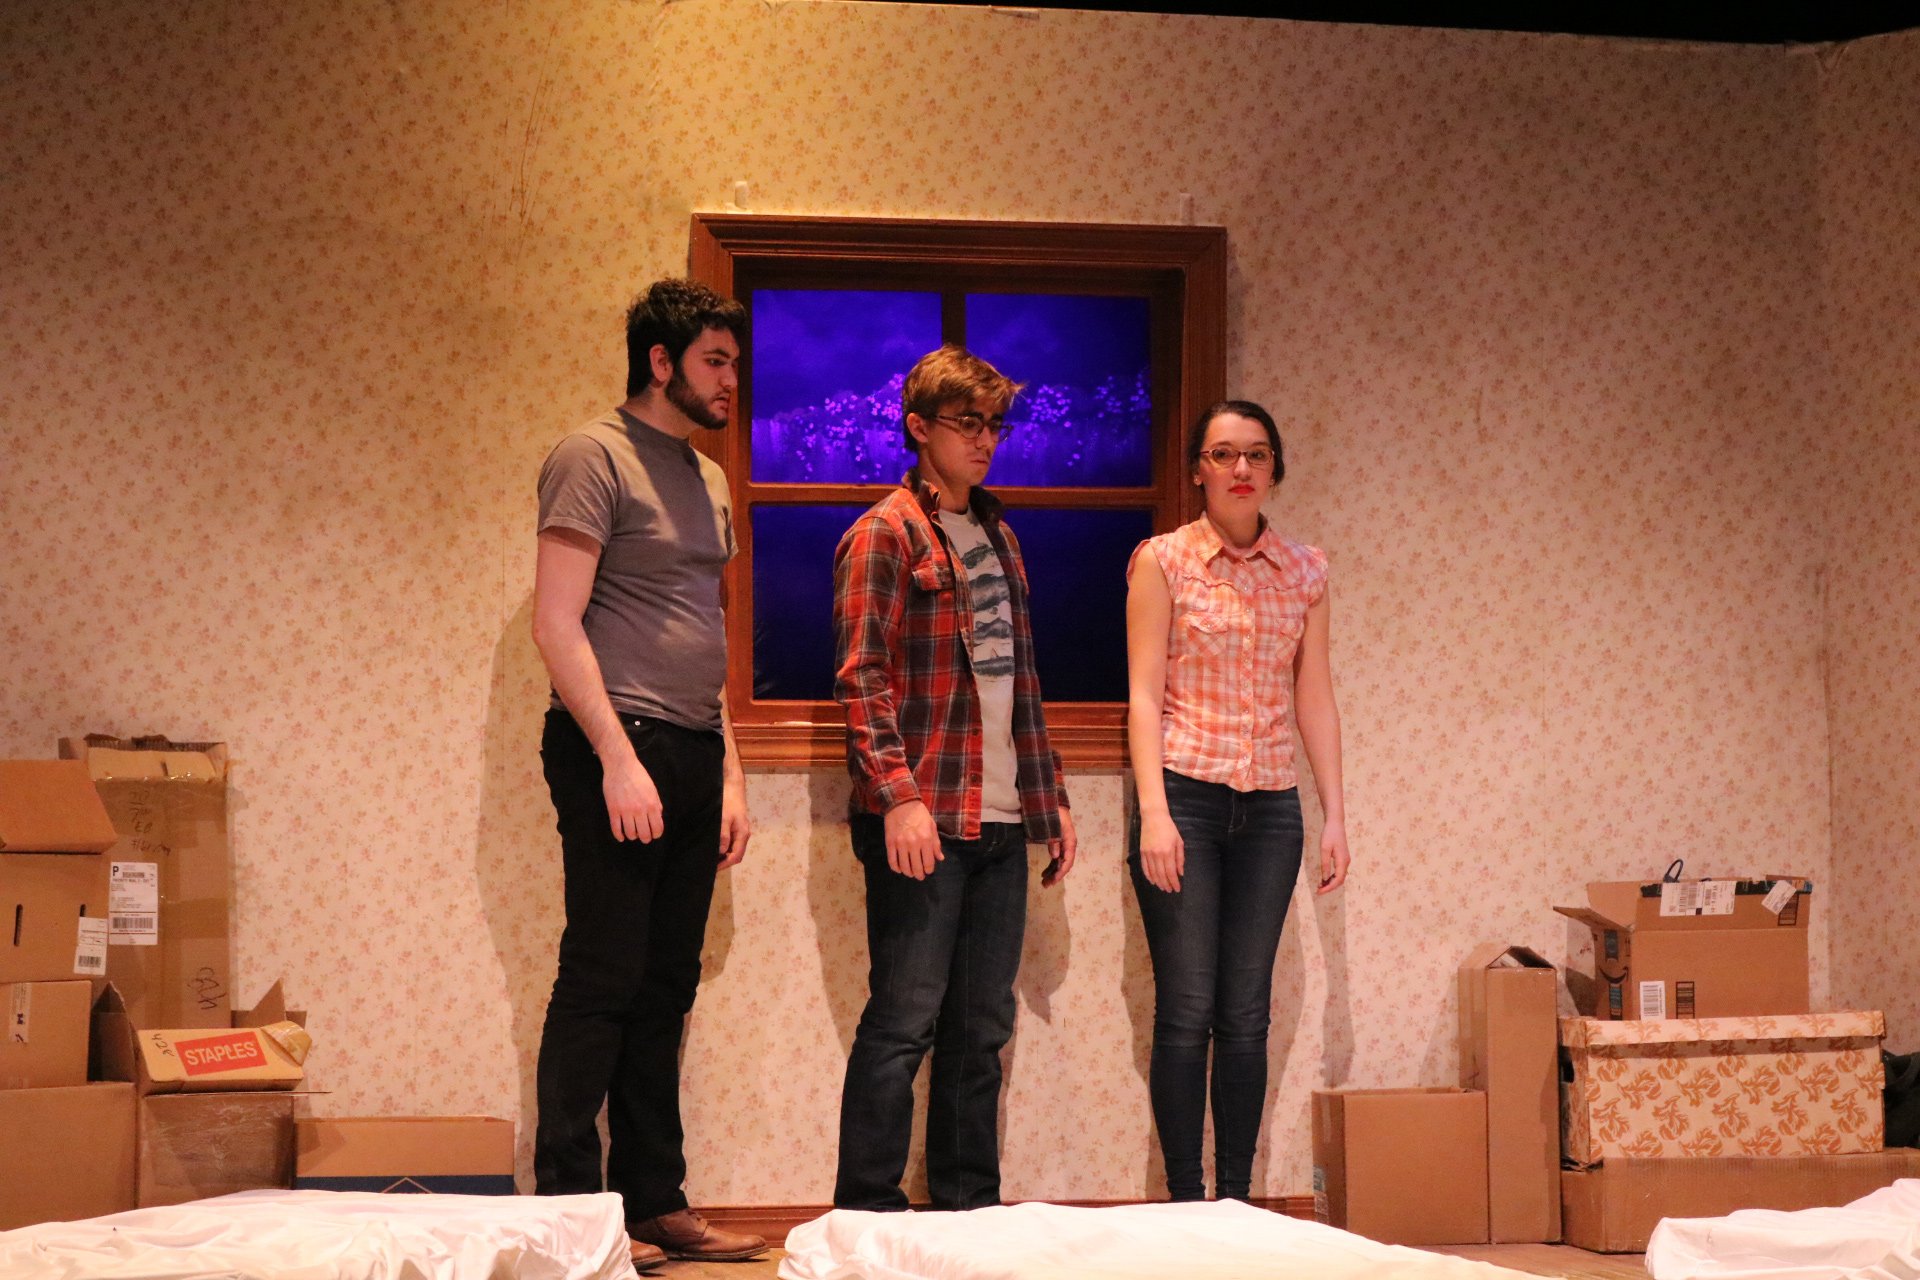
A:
774	1220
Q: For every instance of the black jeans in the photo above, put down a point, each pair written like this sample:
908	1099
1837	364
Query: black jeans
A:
943	955
1213	946
629	966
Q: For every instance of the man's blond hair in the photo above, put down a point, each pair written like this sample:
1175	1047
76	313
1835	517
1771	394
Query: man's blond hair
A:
952	375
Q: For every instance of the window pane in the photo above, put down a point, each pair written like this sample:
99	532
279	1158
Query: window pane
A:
793	598
827	367
1086	417
1077	569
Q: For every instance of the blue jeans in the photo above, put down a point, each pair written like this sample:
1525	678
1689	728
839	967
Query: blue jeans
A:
943	954
1213	946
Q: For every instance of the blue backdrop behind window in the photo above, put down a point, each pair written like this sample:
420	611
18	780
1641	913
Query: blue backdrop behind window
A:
793	598
827	367
1086	417
1077	569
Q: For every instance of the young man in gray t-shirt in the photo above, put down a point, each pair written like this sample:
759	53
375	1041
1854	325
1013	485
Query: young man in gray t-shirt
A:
635	529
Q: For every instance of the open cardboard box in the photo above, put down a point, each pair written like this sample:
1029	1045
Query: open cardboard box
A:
172	876
1696	948
264	1049
1509	1048
53	881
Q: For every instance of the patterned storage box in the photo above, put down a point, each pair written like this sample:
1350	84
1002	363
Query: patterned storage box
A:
1804	1084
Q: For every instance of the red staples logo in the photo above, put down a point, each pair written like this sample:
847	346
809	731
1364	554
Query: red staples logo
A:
220	1053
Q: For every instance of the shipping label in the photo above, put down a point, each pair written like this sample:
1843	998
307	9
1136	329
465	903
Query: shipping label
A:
1697	898
90	950
133	904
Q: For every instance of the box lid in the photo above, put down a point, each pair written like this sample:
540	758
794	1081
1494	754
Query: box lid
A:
147	759
50	806
1636	904
1501	955
1585	1033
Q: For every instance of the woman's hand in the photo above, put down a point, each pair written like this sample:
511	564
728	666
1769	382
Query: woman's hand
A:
1333	857
1163	856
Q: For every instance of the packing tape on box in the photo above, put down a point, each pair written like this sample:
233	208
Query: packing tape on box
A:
292	1039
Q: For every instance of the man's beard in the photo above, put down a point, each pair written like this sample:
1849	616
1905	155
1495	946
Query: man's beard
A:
680	395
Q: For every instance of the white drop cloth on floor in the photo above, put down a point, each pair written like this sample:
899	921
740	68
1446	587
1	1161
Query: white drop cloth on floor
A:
1224	1240
333	1235
1877	1237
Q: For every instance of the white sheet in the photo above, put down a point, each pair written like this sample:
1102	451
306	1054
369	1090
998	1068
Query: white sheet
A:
333	1235
1217	1241
1877	1237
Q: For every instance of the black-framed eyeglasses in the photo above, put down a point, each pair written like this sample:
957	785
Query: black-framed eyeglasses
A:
1223	456
971	425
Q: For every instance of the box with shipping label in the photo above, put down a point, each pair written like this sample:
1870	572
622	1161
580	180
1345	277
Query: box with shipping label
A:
1509	1050
451	1155
196	1145
1697	948
44	1044
53	881
1614	1207
1402	1166
264	1048
171	875
1805	1085
77	1145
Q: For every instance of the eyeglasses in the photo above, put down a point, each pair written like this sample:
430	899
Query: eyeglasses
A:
971	425
1260	458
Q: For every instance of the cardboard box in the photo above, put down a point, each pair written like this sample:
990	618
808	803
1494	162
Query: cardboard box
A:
195	1145
1509	1050
1614	1207
44	1044
451	1155
1806	1085
264	1048
1402	1166
52	879
1696	948
50	806
75	1144
170	956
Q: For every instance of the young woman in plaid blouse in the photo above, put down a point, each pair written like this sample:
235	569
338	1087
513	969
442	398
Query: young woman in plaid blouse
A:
1226	632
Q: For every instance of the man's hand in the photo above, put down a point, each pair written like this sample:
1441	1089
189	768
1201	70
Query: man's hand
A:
633	805
1163	855
735	828
1060	853
913	842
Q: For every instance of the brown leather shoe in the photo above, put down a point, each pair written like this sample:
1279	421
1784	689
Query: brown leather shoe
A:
644	1256
687	1235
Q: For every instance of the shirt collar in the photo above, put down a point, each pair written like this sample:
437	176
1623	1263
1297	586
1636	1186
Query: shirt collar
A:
1268	544
985	507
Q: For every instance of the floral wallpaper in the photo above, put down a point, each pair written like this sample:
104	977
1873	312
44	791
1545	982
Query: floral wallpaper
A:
1868	479
296	298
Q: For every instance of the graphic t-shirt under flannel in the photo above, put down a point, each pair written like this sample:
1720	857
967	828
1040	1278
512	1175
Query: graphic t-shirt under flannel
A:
992	648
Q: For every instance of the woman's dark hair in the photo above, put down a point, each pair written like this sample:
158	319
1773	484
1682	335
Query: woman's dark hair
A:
1197	438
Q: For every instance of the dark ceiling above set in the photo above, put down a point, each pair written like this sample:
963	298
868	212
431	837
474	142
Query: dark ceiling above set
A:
1727	22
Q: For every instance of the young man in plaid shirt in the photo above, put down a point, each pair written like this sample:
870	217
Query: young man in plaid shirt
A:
953	776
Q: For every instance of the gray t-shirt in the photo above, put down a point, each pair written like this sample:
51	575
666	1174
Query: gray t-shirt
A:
992	651
660	512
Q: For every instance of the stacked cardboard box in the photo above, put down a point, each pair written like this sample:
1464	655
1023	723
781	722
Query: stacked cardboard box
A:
75	1136
1699	1082
450	1155
214	1108
1463	1165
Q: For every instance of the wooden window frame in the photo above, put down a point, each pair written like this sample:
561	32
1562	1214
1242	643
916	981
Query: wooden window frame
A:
1182	269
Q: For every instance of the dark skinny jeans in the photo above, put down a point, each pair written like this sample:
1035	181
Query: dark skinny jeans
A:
1213	946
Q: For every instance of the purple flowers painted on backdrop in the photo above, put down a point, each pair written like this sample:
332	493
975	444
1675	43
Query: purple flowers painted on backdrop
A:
1065	435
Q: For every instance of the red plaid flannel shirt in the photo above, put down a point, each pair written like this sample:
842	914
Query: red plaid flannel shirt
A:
902	618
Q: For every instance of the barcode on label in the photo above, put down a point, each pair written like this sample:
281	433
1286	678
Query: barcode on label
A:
89	964
133	924
1653	1000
